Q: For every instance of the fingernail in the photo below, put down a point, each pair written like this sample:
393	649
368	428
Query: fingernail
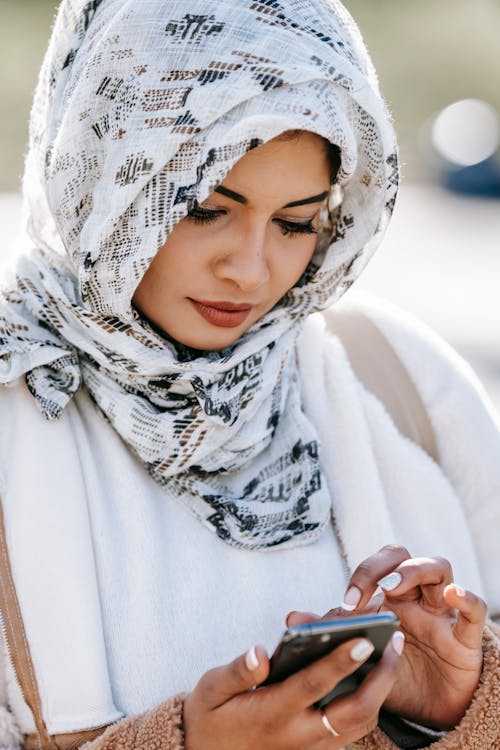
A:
459	591
398	642
389	582
362	650
251	659
351	599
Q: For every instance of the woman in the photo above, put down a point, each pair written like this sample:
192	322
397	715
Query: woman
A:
187	455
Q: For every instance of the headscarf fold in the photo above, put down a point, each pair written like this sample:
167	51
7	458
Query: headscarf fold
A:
141	110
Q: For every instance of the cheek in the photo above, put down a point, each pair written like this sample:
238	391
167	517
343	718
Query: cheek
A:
309	251
157	280
294	260
188	248
176	259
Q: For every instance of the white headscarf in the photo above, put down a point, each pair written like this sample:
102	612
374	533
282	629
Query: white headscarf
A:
142	108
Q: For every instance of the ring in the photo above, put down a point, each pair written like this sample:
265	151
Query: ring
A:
327	725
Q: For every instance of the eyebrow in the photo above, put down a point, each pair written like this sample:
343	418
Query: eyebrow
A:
305	201
241	198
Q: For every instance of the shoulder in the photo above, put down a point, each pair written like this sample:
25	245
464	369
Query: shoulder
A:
463	419
401	328
460	412
27	439
436	369
16	403
18	418
17	406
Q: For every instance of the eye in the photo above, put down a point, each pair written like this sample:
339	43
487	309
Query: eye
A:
201	215
294	228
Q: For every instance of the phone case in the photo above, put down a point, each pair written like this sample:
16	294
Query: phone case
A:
304	644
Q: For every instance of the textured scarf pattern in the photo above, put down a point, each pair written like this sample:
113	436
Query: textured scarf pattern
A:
141	110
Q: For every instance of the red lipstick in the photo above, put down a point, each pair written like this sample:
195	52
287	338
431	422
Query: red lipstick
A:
223	314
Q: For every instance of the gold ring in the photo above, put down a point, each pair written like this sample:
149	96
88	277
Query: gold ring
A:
327	725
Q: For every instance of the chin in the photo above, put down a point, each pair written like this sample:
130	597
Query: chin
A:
201	338
209	343
206	337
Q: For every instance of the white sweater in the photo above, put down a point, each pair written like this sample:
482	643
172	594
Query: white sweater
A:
127	598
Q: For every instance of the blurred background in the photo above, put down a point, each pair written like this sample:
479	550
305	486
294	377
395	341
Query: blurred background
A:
438	63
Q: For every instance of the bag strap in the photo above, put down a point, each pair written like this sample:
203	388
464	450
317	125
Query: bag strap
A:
382	372
16	643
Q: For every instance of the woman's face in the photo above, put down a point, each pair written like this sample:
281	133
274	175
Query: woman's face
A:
233	258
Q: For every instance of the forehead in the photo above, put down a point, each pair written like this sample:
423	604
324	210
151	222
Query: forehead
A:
283	168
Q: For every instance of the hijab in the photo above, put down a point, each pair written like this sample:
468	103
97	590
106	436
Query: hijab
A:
140	111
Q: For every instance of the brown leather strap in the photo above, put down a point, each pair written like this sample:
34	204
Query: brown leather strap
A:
17	644
379	368
19	653
70	741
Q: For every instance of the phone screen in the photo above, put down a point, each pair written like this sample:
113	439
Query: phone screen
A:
303	644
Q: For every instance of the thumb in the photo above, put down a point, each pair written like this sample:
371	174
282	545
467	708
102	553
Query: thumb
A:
300	618
244	673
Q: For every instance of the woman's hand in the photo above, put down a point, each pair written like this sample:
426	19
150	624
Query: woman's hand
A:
224	712
443	626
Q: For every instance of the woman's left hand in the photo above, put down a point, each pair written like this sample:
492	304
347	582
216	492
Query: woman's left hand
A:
443	626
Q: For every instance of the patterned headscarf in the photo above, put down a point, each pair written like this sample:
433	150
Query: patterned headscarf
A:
141	110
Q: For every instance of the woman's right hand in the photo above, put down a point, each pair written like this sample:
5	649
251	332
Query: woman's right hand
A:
224	712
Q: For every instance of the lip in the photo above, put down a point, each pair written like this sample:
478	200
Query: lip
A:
223	314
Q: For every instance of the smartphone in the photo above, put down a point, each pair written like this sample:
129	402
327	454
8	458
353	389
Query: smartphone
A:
303	644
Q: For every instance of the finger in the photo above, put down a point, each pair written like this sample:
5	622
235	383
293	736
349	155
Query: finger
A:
300	618
341	739
310	684
363	582
468	629
374	605
344	737
221	684
334	613
314	735
419	578
356	714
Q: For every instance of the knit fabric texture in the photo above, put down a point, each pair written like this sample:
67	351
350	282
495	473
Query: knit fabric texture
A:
154	730
140	112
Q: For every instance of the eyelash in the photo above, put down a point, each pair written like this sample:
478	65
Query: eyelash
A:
203	216
289	228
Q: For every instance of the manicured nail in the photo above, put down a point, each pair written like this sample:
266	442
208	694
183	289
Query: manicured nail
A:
459	591
251	659
389	582
351	599
362	650
398	642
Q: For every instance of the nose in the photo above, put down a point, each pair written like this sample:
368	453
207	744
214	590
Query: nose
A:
245	263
